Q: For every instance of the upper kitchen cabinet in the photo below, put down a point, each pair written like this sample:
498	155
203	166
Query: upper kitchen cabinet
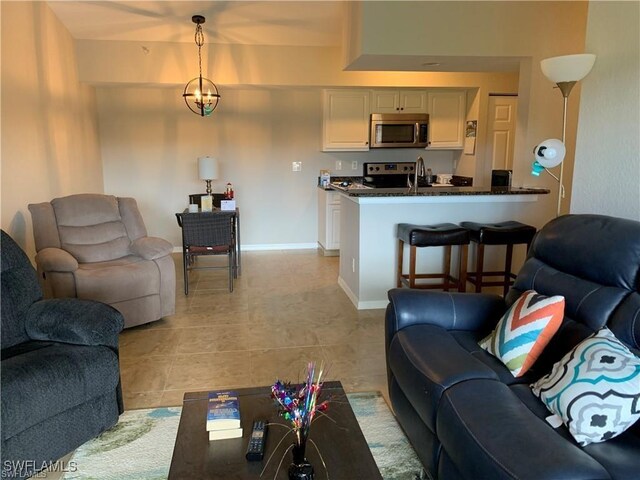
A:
399	101
345	123
447	115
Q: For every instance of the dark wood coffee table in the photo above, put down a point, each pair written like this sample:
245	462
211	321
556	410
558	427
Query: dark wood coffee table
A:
341	444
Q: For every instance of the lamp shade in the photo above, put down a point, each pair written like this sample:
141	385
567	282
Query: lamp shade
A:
207	168
567	68
550	153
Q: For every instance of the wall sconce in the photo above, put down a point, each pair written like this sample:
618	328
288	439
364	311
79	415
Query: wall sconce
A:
208	170
565	71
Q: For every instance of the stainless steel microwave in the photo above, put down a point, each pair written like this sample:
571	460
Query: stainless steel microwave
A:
399	130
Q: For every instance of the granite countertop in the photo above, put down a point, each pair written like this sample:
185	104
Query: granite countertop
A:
439	191
355	179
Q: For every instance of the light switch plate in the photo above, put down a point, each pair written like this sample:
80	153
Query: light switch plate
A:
296	166
338	165
354	165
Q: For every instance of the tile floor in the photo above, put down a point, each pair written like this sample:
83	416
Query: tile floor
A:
286	309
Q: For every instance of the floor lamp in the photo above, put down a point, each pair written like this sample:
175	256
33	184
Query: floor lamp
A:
565	71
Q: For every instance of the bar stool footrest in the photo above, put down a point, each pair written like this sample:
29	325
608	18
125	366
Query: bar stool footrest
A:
454	283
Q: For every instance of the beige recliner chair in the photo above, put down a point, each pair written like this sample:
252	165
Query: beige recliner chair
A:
96	247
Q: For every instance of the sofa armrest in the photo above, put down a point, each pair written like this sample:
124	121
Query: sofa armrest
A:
56	260
451	311
70	320
151	248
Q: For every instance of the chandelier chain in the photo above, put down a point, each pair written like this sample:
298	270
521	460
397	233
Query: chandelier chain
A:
199	38
200	94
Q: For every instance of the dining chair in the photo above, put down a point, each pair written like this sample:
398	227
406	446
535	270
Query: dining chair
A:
207	233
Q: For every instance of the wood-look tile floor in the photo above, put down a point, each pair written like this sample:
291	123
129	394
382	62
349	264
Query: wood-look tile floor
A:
286	309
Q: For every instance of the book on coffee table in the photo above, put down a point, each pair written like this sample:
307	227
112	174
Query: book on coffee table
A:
225	434
223	411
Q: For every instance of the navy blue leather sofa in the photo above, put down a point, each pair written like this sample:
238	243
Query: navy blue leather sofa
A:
60	376
465	414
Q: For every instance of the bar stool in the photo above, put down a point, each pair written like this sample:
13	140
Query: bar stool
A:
440	235
505	233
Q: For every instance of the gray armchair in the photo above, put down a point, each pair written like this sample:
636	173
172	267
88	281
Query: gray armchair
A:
60	383
96	247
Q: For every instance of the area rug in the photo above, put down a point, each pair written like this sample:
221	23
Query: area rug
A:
140	446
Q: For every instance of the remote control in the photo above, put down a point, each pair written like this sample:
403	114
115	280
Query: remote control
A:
255	448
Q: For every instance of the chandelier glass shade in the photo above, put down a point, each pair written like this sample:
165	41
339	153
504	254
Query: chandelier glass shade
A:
200	94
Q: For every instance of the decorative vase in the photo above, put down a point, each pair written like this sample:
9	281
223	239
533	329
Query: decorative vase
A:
300	469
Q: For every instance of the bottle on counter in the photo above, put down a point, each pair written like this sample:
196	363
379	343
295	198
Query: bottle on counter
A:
429	176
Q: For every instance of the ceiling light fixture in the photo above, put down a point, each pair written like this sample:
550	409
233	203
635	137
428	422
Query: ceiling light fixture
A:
200	94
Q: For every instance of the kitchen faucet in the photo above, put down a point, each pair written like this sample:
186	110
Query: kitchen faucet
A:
417	174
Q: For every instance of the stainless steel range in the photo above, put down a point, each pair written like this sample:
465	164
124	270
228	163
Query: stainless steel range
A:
387	175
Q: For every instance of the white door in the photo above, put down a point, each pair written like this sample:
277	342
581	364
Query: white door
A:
501	131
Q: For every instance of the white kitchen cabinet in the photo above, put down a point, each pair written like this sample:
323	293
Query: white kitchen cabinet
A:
329	222
333	226
447	115
399	101
345	122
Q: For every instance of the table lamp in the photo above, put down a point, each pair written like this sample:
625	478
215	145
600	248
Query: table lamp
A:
565	71
208	170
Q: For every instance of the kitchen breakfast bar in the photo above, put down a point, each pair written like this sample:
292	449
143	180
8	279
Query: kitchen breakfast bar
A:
369	219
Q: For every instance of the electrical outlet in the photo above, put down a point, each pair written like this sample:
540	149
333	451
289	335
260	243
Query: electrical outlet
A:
338	165
354	165
353	265
296	166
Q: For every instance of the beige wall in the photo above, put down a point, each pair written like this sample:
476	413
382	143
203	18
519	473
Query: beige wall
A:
173	64
149	140
49	132
607	167
269	116
530	31
150	143
469	28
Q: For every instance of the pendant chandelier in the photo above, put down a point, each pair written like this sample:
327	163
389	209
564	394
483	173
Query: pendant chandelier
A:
200	94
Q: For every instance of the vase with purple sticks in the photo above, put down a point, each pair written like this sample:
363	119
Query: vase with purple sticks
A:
299	405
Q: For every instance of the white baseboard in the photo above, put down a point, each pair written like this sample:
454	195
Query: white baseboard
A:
280	246
352	296
269	246
371	305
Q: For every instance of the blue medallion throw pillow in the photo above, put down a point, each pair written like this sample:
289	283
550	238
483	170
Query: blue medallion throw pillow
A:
595	388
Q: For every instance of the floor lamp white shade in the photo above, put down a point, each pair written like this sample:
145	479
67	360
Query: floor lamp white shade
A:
207	168
567	68
565	71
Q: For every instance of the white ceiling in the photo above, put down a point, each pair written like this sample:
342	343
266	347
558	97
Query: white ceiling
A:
305	23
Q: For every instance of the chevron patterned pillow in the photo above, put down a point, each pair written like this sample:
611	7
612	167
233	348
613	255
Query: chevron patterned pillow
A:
525	330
